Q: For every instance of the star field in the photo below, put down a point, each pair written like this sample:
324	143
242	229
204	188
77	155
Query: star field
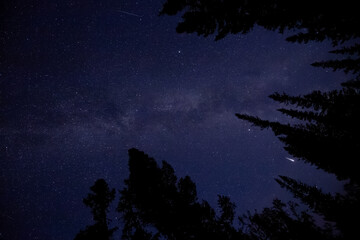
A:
84	81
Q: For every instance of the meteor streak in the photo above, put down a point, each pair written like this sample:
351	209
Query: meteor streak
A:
129	13
290	159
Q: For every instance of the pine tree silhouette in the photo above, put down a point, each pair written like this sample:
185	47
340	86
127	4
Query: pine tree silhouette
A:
99	201
312	21
341	209
156	204
328	136
349	64
281	222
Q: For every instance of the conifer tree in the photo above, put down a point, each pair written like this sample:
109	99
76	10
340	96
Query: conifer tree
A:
350	63
281	222
341	209
99	201
155	204
311	20
327	135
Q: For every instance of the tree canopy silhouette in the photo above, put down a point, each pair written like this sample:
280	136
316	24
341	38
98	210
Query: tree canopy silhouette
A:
281	222
156	204
341	209
327	136
99	201
310	20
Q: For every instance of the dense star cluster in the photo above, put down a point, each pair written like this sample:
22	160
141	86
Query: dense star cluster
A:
81	82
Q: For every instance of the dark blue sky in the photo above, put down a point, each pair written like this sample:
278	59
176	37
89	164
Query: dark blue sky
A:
84	81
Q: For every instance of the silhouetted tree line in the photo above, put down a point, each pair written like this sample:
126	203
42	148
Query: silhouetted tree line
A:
155	204
155	198
311	20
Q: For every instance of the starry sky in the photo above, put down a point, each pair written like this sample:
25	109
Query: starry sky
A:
82	81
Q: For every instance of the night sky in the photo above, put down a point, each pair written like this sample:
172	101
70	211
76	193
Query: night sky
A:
82	81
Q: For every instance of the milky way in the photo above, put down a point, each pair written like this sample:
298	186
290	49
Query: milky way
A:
81	83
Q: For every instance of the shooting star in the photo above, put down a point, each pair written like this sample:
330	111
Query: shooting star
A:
129	13
290	159
4	215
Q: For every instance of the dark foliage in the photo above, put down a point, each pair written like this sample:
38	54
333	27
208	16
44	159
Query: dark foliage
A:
350	63
328	135
282	221
156	204
341	209
311	20
99	201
